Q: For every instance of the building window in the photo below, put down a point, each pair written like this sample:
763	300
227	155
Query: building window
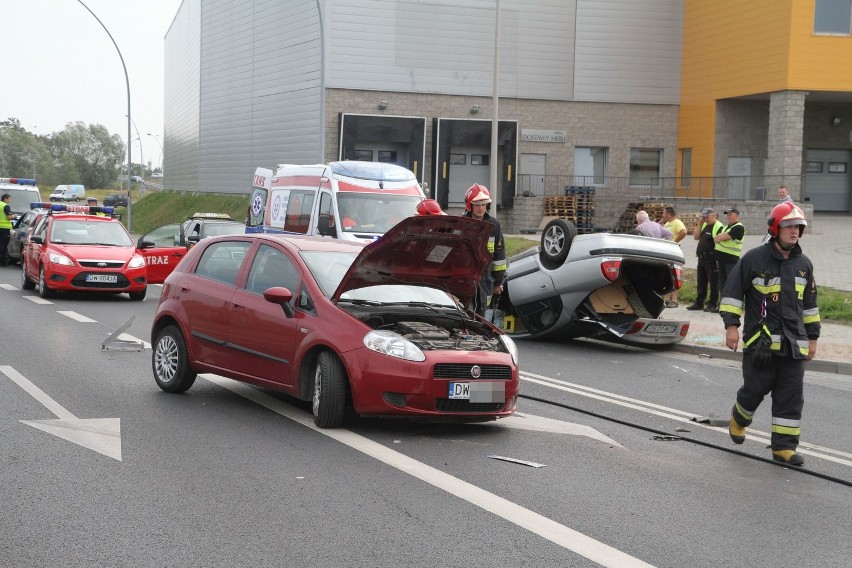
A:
685	167
479	159
832	17
645	167
589	165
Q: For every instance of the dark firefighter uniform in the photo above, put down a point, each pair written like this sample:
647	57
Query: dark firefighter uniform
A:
495	273
778	298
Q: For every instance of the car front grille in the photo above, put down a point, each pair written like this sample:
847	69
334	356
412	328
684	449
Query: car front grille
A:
107	264
462	371
79	281
460	405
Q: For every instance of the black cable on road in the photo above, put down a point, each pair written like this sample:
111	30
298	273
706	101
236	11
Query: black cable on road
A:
687	439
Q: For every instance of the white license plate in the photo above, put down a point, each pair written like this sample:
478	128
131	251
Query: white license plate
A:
102	278
460	391
660	328
480	391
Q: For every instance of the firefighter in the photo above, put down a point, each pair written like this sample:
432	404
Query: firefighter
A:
476	202
772	288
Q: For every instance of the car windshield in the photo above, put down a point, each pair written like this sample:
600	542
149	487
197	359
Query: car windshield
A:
374	212
378	171
217	229
89	232
329	268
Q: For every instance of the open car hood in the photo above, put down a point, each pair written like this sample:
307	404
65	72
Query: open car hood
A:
445	252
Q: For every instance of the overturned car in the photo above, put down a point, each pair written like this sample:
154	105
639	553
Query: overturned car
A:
597	284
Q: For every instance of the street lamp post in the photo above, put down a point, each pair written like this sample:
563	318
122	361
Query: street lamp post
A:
127	81
160	161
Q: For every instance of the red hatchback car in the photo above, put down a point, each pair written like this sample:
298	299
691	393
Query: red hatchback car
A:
77	248
381	328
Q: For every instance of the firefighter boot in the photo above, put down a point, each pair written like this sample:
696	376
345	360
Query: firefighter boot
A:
736	431
790	457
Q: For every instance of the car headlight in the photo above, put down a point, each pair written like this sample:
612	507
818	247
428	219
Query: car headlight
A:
510	347
57	258
394	345
136	262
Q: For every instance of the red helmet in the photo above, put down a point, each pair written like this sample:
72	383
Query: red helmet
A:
429	207
786	214
477	193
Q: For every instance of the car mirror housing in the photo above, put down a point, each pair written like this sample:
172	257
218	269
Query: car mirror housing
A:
38	239
282	297
145	244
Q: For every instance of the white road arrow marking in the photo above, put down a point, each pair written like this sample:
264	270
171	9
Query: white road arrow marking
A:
102	435
541	424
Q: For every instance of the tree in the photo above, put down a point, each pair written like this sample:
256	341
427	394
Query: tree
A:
22	153
87	154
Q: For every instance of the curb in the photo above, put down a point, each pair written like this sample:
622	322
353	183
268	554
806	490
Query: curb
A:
818	365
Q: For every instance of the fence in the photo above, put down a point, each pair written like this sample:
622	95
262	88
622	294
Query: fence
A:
728	188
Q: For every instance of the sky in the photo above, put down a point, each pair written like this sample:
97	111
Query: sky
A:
58	65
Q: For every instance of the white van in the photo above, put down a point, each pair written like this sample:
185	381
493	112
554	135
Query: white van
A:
348	200
68	193
23	192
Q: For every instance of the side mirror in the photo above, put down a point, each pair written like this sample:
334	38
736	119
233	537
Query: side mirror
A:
145	244
282	297
325	226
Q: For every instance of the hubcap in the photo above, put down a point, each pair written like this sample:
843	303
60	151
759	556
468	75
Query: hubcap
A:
317	390
166	359
553	240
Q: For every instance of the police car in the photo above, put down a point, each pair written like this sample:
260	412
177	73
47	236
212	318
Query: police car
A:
165	246
79	248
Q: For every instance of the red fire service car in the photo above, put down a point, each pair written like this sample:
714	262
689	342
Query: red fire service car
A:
82	249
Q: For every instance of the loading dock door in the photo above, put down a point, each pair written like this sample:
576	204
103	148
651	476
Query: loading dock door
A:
827	179
397	140
461	150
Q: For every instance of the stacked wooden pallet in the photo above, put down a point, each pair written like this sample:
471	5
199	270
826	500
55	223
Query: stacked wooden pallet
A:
577	206
563	206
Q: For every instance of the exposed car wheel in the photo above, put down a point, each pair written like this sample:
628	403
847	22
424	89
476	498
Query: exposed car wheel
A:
26	283
138	296
329	399
170	361
556	242
43	290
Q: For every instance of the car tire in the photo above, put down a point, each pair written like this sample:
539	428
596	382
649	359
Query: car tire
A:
138	296
26	283
329	399
170	361
556	242
43	290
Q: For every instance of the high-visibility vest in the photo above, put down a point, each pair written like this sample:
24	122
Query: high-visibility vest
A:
731	246
5	223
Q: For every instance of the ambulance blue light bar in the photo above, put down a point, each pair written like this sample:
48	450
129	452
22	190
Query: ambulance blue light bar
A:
66	208
19	181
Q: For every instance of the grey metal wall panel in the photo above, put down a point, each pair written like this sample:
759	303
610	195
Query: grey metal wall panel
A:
181	98
444	46
628	51
260	89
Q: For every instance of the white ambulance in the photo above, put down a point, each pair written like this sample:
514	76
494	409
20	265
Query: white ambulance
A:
23	191
347	200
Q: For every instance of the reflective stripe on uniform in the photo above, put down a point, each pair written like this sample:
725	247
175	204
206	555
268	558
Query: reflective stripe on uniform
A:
731	305
743	412
767	287
786	426
804	346
810	316
491	244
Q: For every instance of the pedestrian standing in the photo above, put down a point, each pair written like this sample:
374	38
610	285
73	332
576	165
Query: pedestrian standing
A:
707	226
784	195
678	231
645	226
476	202
729	245
772	288
6	218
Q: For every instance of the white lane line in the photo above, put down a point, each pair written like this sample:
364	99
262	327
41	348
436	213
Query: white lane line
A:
814	450
77	317
561	535
37	300
37	393
8	287
128	337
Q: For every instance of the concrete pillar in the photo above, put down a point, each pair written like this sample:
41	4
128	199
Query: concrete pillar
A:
784	144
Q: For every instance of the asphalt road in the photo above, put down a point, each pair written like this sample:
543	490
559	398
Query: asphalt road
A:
228	475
